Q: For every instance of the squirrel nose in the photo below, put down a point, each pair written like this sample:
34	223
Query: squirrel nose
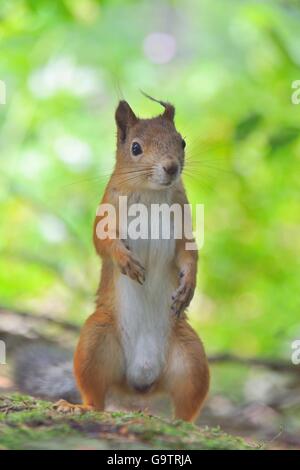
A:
171	169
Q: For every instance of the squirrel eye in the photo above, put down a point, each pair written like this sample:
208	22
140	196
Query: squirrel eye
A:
136	149
183	143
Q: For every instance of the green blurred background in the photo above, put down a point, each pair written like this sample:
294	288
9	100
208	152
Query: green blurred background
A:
228	67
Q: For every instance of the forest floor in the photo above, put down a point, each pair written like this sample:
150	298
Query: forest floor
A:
27	423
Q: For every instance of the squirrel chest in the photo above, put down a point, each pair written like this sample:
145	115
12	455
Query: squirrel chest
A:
144	310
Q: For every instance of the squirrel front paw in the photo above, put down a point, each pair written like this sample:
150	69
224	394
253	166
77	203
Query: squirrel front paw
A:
183	295
130	266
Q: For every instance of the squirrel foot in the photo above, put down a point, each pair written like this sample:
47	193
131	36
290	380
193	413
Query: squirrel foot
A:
63	406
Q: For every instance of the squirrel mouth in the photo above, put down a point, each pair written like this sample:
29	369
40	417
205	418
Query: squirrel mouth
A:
162	184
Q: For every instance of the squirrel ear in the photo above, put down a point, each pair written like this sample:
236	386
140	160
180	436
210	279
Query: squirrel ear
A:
125	118
169	112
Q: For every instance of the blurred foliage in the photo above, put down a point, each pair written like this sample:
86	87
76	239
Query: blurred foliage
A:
65	65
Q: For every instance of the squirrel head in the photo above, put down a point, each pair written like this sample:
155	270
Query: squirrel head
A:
150	152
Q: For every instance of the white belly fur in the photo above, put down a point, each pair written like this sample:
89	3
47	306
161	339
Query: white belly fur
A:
144	311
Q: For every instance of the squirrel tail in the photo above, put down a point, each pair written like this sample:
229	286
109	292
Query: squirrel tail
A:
46	372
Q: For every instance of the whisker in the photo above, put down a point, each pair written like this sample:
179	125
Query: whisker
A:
207	167
86	180
197	144
131	171
103	176
135	176
198	180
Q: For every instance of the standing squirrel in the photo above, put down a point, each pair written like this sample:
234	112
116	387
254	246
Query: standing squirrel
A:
138	339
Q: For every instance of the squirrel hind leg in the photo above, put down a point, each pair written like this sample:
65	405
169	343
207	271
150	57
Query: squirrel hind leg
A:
98	359
63	406
187	377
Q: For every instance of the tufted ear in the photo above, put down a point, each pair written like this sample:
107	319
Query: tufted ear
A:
169	112
125	118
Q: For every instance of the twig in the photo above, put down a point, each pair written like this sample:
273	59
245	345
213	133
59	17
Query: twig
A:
273	364
39	318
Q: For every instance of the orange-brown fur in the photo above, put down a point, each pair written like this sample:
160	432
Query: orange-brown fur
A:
99	362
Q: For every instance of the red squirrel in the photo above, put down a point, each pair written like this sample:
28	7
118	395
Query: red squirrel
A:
138	339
